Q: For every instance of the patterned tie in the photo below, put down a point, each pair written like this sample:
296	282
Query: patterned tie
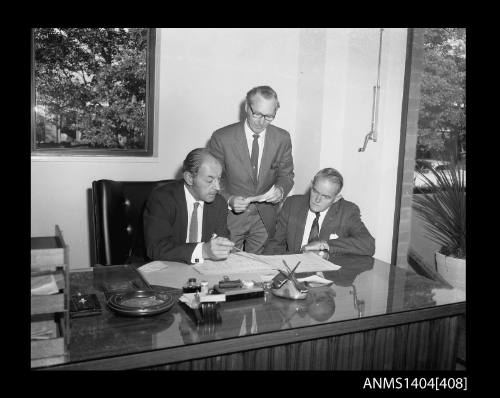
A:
193	227
254	158
314	234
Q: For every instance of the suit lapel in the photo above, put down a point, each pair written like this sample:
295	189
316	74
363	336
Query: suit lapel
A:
182	214
301	224
270	148
241	147
326	226
207	221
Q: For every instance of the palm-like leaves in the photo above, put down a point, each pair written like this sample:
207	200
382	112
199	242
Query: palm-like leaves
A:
442	208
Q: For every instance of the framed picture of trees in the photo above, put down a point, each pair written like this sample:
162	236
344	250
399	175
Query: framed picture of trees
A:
92	91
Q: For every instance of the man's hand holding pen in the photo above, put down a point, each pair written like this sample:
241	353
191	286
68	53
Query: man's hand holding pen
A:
217	248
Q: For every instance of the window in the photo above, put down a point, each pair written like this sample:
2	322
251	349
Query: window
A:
92	91
434	127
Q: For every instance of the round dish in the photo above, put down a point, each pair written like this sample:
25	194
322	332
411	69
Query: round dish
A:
141	302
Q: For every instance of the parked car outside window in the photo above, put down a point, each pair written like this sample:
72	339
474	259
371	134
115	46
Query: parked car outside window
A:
424	166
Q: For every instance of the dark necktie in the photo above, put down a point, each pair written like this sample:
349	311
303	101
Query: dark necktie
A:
314	234
254	158
193	227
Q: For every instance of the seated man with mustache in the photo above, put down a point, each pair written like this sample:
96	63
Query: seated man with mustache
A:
186	220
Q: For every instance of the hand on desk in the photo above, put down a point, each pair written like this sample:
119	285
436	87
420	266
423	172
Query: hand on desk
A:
319	247
217	248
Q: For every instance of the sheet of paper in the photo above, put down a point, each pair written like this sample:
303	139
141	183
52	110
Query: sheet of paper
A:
242	262
43	285
315	280
261	198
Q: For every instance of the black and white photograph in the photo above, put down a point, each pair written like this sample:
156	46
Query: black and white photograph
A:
250	199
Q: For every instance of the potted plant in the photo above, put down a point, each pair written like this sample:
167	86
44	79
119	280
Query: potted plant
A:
441	206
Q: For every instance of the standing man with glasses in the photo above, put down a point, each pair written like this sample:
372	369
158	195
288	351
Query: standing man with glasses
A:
321	222
258	169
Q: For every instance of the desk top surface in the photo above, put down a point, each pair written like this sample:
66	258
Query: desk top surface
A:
363	287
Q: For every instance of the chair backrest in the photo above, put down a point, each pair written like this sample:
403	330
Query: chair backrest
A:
118	208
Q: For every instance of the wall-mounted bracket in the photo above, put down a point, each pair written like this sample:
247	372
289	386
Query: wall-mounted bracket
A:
372	135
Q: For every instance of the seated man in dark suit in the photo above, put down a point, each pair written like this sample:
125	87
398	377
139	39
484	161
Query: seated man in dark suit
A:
186	220
321	221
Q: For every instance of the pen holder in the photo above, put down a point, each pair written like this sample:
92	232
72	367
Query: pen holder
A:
288	288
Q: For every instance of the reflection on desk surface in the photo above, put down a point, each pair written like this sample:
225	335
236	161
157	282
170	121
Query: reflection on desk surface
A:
363	287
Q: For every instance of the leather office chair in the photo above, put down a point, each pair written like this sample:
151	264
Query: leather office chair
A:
118	208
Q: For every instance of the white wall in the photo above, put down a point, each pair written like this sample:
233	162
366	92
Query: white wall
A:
350	74
324	80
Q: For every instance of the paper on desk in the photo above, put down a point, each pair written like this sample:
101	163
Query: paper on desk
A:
239	263
267	276
153	266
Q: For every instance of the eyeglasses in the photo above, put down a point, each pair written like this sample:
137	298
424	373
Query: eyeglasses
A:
258	115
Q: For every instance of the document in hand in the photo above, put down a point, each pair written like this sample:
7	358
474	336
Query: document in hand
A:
262	198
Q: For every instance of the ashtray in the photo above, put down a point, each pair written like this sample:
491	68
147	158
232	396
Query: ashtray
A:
141	302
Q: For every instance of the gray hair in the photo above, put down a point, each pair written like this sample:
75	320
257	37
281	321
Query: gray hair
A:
265	91
332	174
195	158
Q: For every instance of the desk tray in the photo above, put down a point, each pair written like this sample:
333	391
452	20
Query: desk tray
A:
141	302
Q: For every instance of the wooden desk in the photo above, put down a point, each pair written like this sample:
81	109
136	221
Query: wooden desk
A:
374	317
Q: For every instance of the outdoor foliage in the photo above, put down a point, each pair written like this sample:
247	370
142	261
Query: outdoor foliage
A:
441	125
91	85
442	208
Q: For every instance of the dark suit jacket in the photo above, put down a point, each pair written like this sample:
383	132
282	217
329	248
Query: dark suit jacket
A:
343	218
229	144
165	223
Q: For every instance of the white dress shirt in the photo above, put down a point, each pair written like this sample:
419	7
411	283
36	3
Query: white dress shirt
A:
310	218
197	256
249	136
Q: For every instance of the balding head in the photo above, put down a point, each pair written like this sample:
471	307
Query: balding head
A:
202	173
